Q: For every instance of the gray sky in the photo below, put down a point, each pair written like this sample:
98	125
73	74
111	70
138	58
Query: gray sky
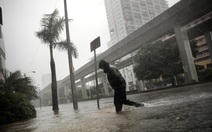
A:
25	52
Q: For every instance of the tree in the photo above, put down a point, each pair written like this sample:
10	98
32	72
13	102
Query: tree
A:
52	25
158	59
16	91
15	82
146	64
172	64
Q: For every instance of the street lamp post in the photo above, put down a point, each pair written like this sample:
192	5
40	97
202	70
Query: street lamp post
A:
72	80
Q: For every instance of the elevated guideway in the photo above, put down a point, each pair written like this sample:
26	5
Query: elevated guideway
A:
181	13
170	22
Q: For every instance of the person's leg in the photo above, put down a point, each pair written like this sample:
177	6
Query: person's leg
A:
117	101
132	103
126	101
123	97
129	102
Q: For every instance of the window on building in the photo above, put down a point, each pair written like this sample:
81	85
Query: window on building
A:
156	1
149	2
157	8
137	16
143	5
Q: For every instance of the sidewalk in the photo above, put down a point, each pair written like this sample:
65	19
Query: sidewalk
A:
183	109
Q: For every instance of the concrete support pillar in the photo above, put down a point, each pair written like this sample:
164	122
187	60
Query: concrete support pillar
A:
83	86
104	81
186	54
141	87
208	37
65	93
68	91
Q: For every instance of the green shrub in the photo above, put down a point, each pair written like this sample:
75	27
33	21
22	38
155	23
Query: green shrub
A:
15	107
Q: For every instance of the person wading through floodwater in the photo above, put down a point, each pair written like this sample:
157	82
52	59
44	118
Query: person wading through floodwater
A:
118	84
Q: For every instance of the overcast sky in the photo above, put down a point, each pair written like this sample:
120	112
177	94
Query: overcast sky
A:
25	52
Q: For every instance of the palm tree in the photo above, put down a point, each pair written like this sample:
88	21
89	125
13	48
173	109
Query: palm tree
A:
52	25
15	82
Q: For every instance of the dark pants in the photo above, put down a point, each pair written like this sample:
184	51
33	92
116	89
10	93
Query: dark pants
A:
120	98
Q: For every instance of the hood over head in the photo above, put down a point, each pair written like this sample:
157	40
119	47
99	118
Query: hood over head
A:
104	65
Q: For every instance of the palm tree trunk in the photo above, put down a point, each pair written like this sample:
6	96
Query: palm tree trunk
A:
54	81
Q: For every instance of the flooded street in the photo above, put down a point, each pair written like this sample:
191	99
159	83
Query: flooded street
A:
186	108
46	119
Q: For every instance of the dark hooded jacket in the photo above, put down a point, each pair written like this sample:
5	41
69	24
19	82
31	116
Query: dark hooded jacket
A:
113	75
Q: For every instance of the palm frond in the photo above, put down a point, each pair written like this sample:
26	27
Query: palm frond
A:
63	46
52	25
16	82
57	28
43	36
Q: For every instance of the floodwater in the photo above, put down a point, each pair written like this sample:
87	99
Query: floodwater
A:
46	119
91	119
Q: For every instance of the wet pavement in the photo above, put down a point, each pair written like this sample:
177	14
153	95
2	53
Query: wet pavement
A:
183	109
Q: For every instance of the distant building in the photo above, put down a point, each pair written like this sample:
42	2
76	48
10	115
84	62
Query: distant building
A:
46	80
203	57
2	48
124	17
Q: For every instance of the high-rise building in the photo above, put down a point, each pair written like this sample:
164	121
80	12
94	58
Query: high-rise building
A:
125	16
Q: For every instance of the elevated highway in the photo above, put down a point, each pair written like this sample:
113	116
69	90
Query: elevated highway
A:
169	22
181	14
